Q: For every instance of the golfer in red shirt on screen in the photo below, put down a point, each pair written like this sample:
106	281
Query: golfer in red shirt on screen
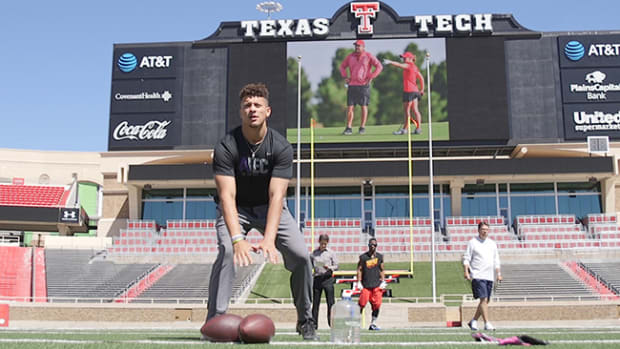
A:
411	92
360	64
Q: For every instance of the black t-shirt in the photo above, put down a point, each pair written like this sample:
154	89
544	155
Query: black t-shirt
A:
371	269
253	165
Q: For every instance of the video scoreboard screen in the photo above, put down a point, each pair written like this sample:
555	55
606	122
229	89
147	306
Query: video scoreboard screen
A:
184	95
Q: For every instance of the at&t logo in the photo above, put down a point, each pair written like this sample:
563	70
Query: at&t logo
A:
128	62
574	50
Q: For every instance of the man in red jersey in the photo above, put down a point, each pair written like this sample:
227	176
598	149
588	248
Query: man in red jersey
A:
360	64
411	92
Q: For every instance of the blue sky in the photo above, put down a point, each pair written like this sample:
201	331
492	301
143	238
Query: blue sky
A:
56	56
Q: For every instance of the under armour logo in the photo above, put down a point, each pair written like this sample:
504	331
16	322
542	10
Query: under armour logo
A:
69	215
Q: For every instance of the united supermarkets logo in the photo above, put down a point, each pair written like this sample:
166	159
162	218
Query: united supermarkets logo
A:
574	50
128	62
596	121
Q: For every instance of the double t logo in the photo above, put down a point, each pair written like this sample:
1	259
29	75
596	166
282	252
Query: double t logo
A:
365	11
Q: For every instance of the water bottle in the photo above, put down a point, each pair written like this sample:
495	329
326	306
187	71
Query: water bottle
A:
346	322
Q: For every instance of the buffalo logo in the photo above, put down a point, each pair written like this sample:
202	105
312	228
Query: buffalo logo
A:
365	11
595	77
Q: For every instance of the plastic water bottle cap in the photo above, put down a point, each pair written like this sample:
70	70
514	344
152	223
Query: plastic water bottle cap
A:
346	298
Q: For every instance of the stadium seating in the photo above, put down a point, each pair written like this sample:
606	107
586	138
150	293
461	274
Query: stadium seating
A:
474	220
546	219
32	195
345	235
399	239
600	218
459	230
71	274
553	232
189	283
191	237
539	280
605	229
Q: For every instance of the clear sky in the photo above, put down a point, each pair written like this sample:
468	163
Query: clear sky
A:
56	56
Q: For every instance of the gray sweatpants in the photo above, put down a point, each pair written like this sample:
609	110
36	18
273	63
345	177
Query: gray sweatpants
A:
290	243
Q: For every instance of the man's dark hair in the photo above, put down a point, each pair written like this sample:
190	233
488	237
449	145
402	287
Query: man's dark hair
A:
371	240
254	90
483	223
324	237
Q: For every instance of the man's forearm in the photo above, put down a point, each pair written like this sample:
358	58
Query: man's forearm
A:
274	213
231	217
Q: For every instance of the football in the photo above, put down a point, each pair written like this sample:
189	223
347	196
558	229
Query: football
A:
256	328
222	328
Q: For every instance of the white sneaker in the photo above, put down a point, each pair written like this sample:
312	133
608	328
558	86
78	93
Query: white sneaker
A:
489	327
473	325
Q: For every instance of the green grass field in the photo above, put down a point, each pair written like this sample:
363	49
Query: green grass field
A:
453	338
379	133
274	280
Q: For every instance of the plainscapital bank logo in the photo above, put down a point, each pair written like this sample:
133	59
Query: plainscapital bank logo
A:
151	130
596	88
574	50
127	62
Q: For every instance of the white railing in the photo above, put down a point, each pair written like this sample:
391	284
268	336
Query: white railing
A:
442	299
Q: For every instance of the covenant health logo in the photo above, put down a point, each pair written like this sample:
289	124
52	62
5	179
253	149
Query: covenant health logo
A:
574	50
127	62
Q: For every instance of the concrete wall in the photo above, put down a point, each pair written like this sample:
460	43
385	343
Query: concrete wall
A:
393	315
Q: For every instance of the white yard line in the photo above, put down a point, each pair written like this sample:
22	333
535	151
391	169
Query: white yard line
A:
168	342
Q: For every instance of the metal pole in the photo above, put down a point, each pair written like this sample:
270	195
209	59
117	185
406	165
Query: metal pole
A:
298	184
430	176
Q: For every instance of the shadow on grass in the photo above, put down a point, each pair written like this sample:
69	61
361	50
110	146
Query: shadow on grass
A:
271	300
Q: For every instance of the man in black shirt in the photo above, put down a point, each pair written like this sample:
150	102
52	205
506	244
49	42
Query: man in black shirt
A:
371	281
325	262
253	165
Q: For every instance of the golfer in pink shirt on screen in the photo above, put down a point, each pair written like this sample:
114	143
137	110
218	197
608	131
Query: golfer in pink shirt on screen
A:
360	73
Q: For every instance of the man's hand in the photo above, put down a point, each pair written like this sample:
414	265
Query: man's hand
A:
269	249
499	277
241	254
383	285
466	271
387	61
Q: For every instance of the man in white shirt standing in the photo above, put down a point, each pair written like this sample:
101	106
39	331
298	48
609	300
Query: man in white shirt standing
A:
481	263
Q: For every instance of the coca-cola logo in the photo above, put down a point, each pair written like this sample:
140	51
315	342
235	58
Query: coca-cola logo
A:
152	130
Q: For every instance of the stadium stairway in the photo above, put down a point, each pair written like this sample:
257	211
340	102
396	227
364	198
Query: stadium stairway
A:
144	283
590	281
607	272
